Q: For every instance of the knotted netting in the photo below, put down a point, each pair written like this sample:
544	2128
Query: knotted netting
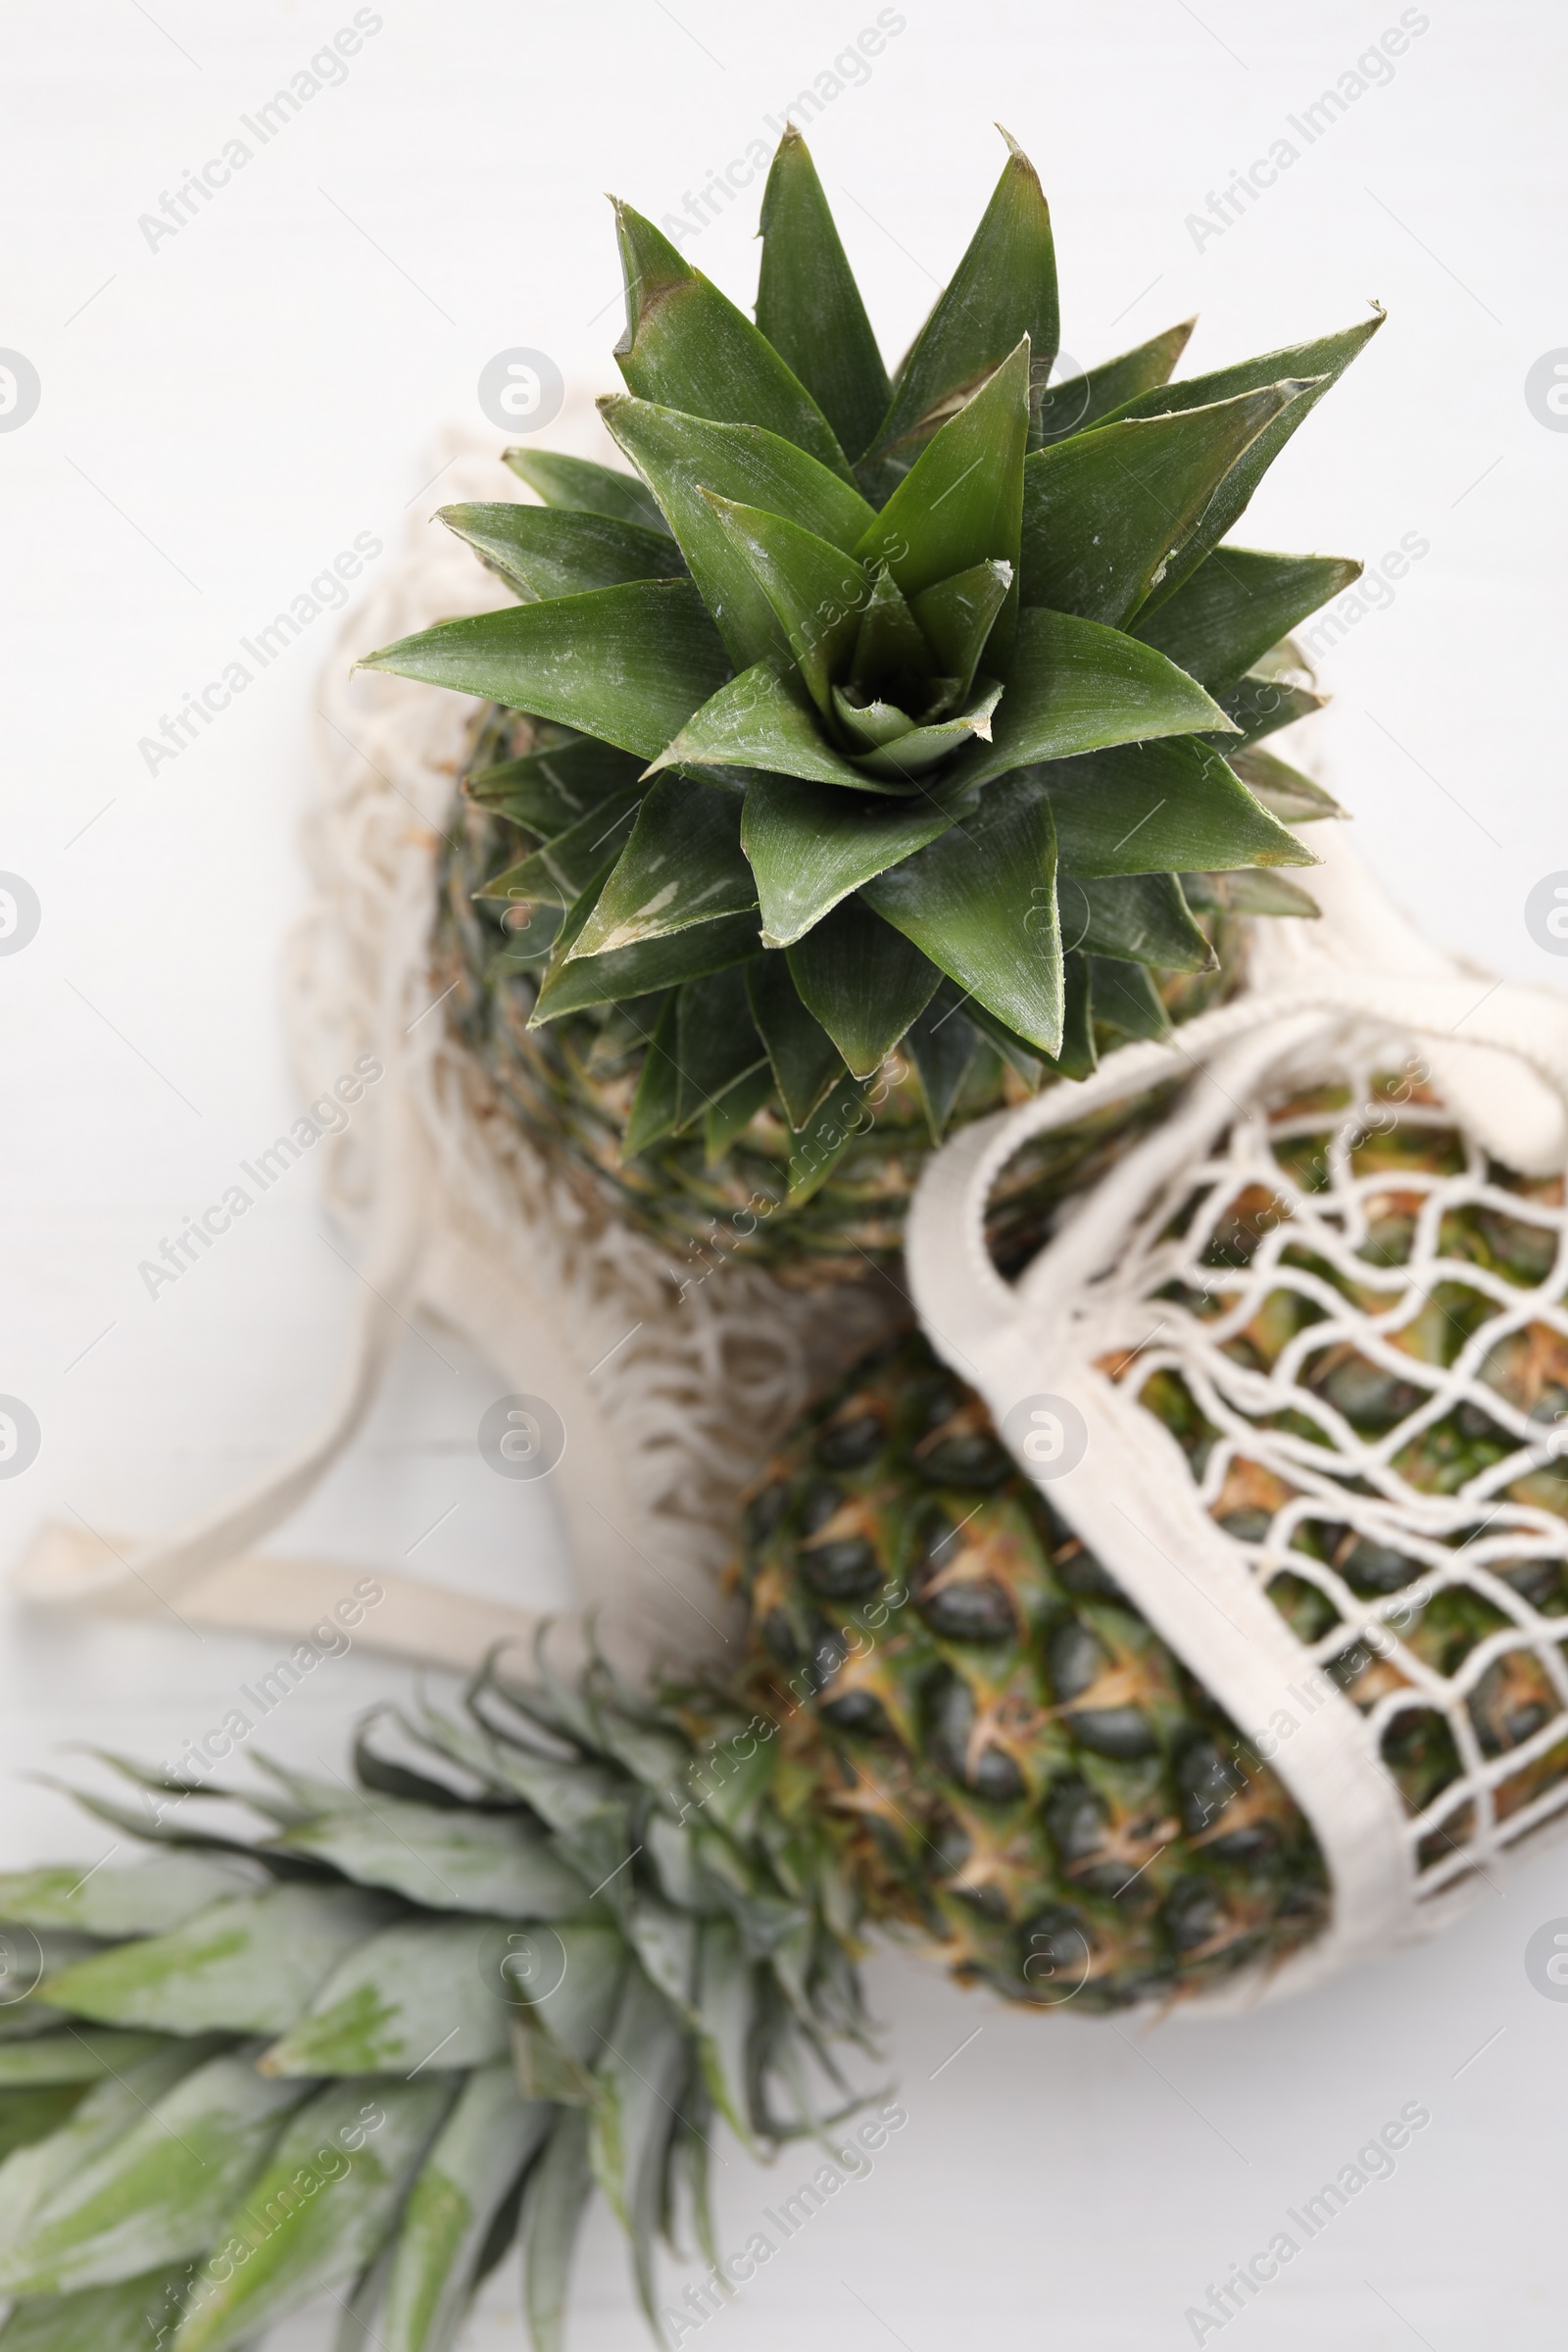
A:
1359	1342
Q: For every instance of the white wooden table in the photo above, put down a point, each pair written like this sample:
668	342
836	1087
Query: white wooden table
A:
228	405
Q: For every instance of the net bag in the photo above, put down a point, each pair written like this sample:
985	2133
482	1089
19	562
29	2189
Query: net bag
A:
1298	1374
669	1382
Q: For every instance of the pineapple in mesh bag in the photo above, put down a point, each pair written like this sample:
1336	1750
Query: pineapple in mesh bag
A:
1297	1375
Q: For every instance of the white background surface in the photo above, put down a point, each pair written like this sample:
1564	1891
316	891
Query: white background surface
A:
223	414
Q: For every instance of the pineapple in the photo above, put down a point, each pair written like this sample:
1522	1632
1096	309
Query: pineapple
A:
544	1943
541	1949
1035	1780
875	753
1034	1784
548	1940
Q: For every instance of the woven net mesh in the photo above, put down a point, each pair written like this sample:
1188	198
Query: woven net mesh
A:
695	1377
1355	1328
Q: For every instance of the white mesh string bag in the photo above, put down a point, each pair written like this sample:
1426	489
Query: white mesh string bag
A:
672	1382
1301	1248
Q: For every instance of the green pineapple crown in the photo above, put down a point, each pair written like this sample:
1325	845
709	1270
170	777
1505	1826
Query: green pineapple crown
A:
540	1952
869	698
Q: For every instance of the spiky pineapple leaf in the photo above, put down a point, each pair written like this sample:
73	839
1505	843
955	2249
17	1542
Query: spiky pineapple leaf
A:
1077	1056
981	902
1258	704
1076	686
756	720
544	552
415	1996
1105	511
902	754
32	2111
735	1108
146	1900
862	980
134	2315
319	2210
1125	998
472	2169
817	1147
556	2197
32	2175
638	2080
1250	890
584	488
1237	603
892	648
653	963
631	2129
628	663
245	1964
816	592
574	2015
682	454
656	1105
803	1058
451	1859
549	790
1081	401
717	1041
76	2055
1283	790
1142	918
1003	289
557	873
683	865
962	500
809	305
1135	809
810	846
1320	365
160	2191
956	617
686	346
941	1044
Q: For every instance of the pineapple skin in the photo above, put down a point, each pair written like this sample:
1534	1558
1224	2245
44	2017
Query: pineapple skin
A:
569	1086
1021	1770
